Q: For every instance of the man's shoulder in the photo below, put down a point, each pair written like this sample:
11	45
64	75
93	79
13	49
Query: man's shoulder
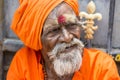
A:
99	63
95	54
25	49
24	52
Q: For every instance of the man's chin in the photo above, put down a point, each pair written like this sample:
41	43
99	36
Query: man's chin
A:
68	63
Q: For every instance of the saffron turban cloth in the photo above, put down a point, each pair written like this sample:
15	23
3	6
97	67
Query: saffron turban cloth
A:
30	16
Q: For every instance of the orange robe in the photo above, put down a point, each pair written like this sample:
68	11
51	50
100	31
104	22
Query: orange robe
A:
96	65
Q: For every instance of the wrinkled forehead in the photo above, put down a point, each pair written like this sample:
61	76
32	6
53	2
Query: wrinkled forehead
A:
61	9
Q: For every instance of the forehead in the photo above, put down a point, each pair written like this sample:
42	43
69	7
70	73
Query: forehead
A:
53	16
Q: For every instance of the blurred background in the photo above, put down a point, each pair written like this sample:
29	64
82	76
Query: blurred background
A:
106	38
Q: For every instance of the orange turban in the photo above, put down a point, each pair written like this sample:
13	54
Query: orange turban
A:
29	18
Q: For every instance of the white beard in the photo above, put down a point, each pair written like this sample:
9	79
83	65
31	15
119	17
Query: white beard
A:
66	63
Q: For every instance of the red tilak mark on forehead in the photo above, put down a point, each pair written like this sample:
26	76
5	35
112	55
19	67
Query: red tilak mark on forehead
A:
61	19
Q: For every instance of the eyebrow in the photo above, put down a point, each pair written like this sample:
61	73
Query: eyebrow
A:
53	25
49	27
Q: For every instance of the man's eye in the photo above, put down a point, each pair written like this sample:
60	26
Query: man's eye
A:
72	26
56	30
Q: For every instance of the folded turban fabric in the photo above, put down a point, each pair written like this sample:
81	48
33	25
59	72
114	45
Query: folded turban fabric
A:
30	16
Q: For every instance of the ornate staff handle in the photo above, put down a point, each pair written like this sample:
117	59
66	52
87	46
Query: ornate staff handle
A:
88	24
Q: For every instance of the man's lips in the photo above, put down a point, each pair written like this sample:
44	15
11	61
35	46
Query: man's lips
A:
69	48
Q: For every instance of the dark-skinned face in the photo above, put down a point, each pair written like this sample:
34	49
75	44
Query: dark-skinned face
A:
54	33
62	29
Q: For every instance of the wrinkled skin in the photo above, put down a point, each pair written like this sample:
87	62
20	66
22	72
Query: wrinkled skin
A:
55	33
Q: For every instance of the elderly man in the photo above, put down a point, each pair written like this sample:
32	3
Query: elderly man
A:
50	31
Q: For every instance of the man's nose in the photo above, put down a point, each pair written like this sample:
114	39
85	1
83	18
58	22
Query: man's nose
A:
66	35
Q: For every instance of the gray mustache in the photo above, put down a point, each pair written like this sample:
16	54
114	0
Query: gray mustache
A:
60	47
